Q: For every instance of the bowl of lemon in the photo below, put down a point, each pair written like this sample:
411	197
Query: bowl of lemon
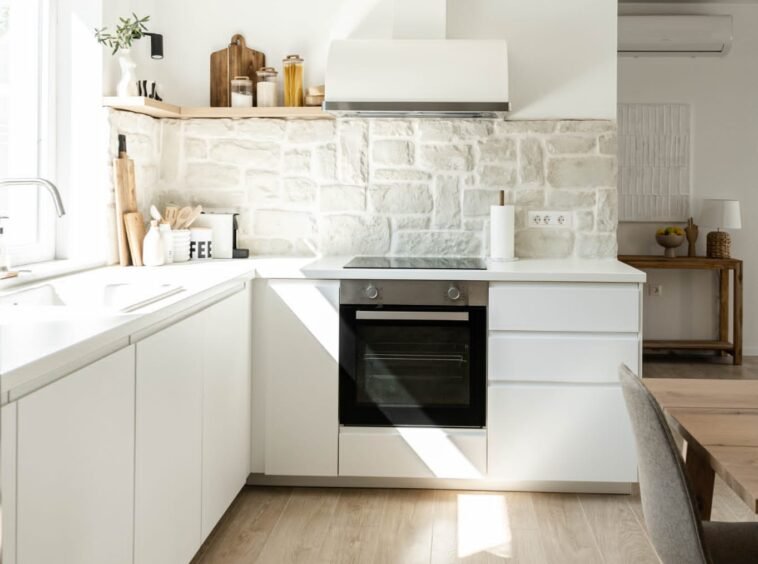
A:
670	238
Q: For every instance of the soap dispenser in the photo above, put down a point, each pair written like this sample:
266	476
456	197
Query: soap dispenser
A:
5	258
153	253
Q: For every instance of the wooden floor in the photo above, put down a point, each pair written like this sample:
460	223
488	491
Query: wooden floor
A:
310	525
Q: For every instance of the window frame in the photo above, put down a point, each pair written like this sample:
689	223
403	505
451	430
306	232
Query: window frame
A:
44	247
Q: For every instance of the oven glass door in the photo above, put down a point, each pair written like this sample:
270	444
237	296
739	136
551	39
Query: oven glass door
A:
419	366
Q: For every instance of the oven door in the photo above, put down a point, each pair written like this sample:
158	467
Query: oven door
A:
412	366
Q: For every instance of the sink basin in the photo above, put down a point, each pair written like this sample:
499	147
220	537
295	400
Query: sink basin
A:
124	297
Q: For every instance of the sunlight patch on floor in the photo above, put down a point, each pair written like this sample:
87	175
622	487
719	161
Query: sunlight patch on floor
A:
483	525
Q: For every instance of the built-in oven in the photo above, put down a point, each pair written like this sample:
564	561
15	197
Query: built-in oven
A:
413	353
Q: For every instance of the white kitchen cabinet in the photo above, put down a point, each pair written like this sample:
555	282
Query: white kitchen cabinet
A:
559	433
413	452
560	357
75	467
168	444
571	307
8	442
296	364
226	405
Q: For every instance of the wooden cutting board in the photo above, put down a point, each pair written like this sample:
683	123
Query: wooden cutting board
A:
126	198
235	60
135	234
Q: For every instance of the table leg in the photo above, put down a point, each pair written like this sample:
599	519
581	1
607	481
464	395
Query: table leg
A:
702	479
723	306
737	315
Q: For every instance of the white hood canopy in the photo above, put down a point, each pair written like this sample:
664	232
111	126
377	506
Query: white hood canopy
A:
417	76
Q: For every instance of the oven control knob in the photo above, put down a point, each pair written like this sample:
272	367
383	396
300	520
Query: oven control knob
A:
372	292
454	293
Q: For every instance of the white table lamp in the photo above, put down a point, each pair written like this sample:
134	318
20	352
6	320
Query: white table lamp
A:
721	214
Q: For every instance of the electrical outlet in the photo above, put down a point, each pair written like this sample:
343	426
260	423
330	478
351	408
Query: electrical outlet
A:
557	219
656	290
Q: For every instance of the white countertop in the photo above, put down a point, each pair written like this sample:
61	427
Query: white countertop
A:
40	344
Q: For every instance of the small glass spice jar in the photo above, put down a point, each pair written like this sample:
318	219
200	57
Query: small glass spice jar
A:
266	87
242	92
293	80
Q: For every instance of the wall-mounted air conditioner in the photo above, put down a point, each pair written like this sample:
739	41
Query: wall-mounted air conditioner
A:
691	36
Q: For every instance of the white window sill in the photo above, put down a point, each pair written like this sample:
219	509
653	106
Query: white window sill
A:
45	270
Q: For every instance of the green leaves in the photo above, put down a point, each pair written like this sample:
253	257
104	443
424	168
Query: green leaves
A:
127	31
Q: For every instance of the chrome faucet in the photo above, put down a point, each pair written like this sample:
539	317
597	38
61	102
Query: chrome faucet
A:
38	182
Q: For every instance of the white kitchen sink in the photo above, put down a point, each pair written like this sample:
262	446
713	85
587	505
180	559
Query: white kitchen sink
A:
124	297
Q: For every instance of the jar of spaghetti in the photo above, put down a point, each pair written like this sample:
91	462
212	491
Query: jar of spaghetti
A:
293	80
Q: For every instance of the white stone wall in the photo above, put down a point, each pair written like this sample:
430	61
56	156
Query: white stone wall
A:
400	187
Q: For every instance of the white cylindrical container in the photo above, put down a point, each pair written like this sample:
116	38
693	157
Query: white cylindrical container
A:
242	92
152	247
167	239
266	87
502	233
181	239
201	243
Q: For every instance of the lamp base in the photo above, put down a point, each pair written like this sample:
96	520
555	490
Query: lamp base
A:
719	245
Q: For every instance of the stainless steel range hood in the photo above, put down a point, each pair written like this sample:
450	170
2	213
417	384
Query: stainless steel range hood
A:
417	77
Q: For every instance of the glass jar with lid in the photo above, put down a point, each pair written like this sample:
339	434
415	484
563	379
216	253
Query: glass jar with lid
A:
242	92
293	80
266	87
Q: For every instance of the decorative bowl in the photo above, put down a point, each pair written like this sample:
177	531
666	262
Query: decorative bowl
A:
669	243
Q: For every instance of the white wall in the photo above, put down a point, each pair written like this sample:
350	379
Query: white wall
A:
562	54
724	96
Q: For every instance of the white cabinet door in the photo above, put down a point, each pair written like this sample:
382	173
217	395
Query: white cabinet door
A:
76	467
413	452
168	444
560	357
226	405
559	433
296	359
574	307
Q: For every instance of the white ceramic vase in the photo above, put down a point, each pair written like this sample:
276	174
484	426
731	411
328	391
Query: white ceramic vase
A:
127	84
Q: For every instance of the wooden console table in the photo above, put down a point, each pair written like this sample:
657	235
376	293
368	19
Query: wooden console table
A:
724	266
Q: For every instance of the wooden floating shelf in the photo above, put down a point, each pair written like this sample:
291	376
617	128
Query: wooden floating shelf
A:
156	109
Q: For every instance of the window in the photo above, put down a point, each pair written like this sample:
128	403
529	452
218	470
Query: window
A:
26	132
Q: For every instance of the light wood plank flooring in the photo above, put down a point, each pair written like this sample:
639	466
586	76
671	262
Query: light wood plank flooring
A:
356	526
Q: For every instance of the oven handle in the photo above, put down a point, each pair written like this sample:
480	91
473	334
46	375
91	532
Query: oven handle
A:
413	315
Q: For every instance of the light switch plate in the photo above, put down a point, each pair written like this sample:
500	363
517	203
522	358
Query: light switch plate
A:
553	219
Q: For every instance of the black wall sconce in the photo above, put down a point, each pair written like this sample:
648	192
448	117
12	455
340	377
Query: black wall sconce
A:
156	45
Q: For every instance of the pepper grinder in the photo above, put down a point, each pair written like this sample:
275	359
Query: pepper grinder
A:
692	232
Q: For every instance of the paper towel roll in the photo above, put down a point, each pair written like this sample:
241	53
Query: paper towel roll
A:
502	228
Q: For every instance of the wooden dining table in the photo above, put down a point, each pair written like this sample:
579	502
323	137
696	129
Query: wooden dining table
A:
718	420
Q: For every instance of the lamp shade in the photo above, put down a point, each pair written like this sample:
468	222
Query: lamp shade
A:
721	214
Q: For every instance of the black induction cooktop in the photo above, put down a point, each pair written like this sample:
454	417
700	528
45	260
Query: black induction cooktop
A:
421	263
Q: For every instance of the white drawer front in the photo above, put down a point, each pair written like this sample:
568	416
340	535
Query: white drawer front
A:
559	433
567	357
516	306
413	453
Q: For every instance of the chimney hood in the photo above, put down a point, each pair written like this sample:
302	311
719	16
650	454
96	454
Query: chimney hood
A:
417	77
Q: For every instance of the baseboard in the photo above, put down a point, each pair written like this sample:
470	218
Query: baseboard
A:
750	351
440	484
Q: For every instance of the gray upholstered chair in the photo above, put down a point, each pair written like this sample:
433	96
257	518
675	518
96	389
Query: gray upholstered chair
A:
668	504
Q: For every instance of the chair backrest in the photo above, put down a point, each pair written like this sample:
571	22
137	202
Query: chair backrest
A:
667	501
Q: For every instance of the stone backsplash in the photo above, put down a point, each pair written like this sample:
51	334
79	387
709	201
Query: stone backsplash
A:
400	186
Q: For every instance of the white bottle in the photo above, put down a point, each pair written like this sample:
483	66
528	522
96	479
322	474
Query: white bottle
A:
5	257
152	247
167	238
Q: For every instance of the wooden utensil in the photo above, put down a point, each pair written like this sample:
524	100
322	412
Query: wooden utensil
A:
235	60
182	217
196	211
126	197
169	215
135	233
